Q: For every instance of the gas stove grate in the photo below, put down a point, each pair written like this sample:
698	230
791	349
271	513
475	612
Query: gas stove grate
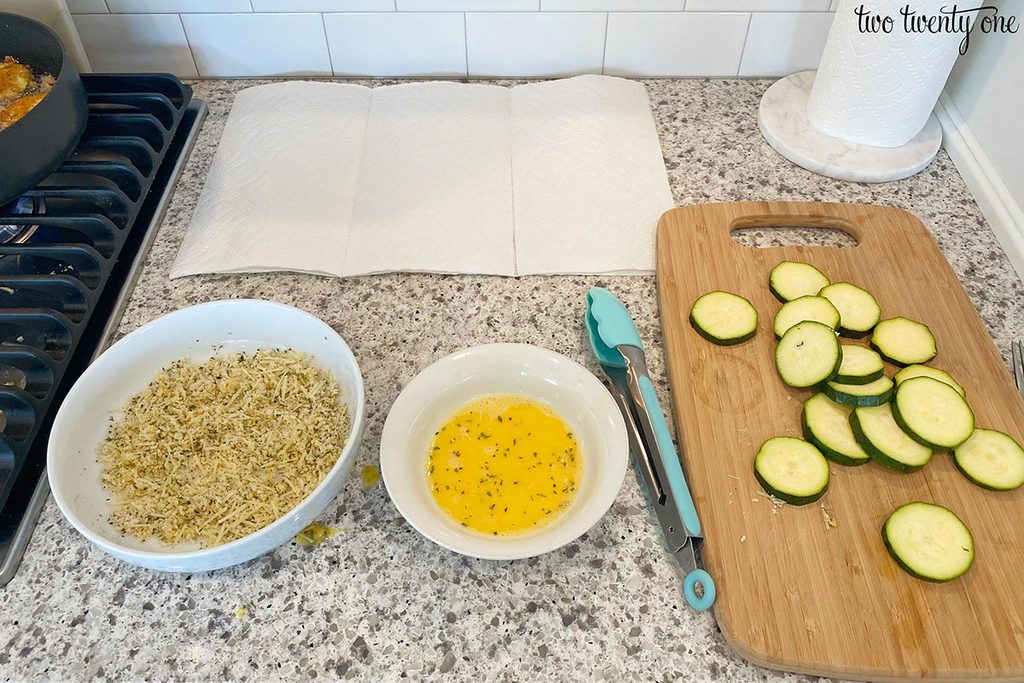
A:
67	247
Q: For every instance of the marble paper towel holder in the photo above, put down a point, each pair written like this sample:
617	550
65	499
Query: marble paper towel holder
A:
782	118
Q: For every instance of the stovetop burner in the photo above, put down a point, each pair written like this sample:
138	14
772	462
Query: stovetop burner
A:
70	252
22	206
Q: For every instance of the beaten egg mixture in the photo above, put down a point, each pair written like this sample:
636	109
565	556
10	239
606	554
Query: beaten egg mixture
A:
504	465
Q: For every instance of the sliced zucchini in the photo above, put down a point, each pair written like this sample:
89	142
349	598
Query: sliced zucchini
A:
991	459
872	394
860	365
805	308
912	371
791	470
928	541
877	432
792	279
933	413
858	310
808	354
904	341
827	425
724	318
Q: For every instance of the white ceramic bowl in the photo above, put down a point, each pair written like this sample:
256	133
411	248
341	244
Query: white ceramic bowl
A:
130	364
442	388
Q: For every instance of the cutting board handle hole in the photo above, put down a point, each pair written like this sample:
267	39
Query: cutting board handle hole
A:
771	236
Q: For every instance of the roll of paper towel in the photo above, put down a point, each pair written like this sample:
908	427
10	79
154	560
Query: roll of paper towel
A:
879	88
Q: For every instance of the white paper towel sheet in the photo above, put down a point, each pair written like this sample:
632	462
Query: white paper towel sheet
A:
588	177
556	177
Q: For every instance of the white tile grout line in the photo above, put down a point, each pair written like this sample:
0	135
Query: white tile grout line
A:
477	11
465	39
743	50
191	54
327	41
604	50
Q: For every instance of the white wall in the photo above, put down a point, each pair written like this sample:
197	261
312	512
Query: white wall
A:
454	38
55	14
987	87
982	112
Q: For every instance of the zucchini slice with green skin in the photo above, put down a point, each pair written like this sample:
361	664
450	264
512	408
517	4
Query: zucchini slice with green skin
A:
912	371
826	424
792	279
933	413
858	309
805	308
860	365
792	470
991	459
904	341
929	542
723	318
877	432
872	394
808	354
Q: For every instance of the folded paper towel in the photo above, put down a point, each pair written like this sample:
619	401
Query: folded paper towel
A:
556	177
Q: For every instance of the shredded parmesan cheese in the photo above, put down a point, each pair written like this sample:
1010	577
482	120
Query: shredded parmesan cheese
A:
213	451
830	522
776	503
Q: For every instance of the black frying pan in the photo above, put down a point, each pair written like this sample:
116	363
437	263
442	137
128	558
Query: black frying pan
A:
34	146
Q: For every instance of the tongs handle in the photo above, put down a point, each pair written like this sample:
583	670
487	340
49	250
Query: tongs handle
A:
669	459
669	464
680	493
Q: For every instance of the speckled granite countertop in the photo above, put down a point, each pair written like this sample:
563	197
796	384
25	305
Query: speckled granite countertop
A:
379	602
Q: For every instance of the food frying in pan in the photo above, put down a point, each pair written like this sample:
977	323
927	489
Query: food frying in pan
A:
20	90
18	108
15	78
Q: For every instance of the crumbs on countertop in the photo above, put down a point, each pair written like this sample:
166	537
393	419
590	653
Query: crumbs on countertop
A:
370	476
314	535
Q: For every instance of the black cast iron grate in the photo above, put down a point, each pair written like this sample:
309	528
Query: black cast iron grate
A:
66	244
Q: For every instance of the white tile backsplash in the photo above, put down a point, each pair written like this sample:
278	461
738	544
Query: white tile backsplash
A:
323	5
474	38
397	44
181	6
87	6
535	44
136	42
228	45
468	5
780	44
675	44
757	5
612	5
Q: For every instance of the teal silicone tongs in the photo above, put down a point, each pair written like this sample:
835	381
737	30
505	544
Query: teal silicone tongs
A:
619	350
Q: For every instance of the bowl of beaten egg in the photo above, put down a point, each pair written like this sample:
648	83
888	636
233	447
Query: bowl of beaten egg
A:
121	473
504	451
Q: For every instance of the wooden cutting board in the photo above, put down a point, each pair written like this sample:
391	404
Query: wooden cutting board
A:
794	593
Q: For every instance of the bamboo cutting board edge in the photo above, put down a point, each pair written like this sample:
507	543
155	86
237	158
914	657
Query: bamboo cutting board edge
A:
875	228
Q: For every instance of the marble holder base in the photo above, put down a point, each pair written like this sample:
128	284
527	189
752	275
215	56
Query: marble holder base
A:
782	118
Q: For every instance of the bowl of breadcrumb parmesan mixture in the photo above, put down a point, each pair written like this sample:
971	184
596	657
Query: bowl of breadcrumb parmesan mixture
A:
209	436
